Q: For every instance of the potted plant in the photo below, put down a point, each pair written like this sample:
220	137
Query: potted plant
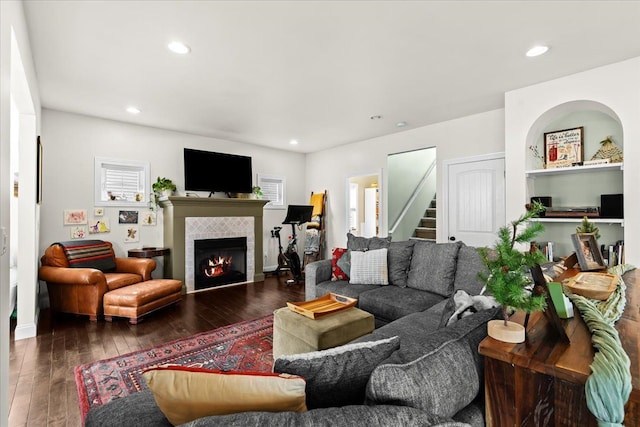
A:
507	277
588	227
163	187
256	192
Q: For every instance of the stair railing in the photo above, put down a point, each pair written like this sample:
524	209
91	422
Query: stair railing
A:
412	198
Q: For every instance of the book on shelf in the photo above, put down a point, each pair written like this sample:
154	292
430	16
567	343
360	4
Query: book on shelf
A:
613	254
547	249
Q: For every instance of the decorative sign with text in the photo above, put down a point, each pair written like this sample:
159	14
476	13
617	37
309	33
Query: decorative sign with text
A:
564	148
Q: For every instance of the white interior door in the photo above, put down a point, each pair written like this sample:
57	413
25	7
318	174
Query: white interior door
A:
475	207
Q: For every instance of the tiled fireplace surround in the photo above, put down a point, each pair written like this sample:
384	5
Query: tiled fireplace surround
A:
217	228
189	218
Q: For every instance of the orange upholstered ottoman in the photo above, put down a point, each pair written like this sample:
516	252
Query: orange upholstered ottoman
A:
136	300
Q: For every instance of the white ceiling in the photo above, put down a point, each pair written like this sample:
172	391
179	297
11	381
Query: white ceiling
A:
266	72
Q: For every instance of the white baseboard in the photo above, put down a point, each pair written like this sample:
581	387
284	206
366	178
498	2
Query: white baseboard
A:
29	330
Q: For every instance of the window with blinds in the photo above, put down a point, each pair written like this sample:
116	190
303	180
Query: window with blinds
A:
120	182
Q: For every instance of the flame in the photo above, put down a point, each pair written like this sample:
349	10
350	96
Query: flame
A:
217	266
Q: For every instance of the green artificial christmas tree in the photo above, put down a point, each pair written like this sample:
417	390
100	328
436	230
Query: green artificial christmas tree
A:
508	276
587	227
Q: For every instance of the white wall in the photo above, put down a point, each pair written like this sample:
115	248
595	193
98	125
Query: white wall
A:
615	88
468	136
71	142
11	19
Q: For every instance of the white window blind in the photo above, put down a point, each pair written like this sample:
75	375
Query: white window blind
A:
121	182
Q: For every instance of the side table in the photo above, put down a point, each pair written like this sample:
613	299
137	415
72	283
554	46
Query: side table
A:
540	382
154	252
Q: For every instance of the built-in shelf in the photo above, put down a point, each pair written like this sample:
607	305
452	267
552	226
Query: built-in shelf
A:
578	220
574	169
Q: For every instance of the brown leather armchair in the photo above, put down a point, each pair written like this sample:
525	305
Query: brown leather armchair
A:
80	290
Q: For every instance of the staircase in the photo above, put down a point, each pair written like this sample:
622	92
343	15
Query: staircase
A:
427	228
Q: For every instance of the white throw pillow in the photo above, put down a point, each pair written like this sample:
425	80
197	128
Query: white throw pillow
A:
369	268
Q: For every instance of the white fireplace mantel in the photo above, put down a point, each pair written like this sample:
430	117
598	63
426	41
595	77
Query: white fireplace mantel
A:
177	209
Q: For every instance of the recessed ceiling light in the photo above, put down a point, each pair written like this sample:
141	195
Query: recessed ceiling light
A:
401	124
293	142
179	48
133	110
537	50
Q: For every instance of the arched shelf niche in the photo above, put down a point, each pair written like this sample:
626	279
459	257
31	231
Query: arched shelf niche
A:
575	188
599	121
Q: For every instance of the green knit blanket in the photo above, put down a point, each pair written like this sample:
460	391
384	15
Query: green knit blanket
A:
608	387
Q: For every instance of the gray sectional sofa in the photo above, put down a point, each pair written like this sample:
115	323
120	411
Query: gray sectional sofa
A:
434	377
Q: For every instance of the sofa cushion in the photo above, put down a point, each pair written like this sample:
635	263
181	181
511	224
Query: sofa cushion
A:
337	272
369	267
355	243
467	269
343	287
442	381
136	409
337	376
184	394
118	280
416	339
343	416
399	261
89	254
391	302
433	267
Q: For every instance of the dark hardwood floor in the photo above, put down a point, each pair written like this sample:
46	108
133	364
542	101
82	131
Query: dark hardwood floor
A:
42	389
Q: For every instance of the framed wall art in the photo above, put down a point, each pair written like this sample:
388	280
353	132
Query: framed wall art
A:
39	171
128	217
75	216
563	148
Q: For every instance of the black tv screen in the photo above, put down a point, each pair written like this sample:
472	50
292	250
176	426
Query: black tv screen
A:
210	171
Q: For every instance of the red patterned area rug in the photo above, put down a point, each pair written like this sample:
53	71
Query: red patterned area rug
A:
245	346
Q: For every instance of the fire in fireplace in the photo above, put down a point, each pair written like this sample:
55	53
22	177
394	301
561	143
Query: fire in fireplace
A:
220	262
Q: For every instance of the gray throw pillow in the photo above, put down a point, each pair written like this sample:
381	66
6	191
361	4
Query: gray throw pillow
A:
356	243
442	382
337	376
399	261
433	267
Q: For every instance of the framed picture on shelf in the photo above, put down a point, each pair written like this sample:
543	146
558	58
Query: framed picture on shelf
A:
588	252
564	148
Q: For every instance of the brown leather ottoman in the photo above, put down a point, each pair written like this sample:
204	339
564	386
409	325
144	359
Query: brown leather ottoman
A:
136	300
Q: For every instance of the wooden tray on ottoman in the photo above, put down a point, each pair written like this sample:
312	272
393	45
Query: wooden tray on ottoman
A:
323	306
593	285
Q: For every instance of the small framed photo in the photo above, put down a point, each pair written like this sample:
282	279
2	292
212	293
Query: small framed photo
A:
564	148
128	217
99	225
149	218
588	252
75	216
78	232
132	235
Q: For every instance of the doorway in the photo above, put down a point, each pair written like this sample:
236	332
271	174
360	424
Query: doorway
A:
363	207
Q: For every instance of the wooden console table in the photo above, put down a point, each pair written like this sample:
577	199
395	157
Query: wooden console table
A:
153	252
541	382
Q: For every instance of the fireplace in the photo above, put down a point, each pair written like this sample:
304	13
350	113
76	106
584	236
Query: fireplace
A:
219	262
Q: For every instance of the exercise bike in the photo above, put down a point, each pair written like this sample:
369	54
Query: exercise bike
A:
289	259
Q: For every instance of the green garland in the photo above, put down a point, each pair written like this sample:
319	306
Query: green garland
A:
608	387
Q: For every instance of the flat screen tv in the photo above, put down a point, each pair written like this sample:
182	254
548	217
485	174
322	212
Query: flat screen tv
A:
210	171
